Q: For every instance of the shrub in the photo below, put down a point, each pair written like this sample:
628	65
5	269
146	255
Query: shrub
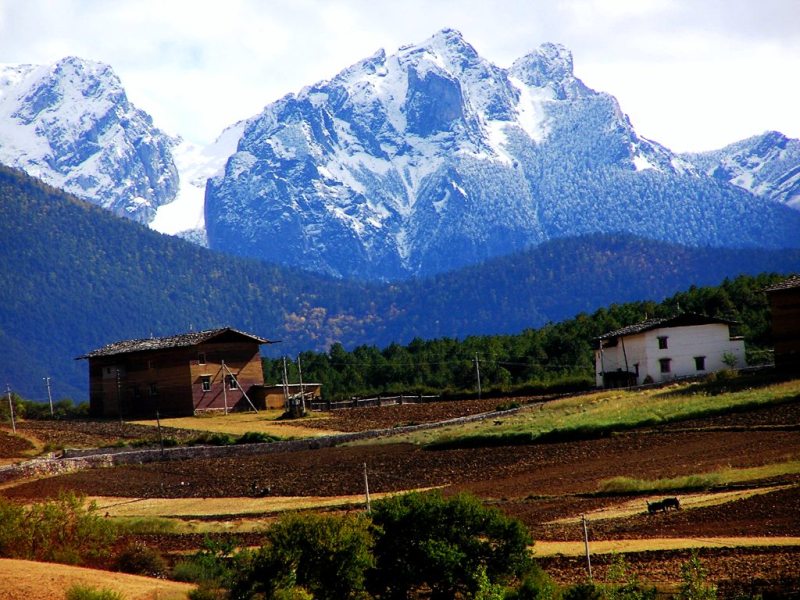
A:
141	559
213	439
535	585
256	437
427	541
61	530
85	592
325	556
695	584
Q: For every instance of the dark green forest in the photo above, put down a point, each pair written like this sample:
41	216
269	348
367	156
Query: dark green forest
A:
556	356
73	278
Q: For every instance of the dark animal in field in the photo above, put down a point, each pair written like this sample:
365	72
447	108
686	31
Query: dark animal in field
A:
663	505
672	503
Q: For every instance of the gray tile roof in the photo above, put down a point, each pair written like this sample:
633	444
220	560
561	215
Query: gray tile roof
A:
682	320
791	282
182	340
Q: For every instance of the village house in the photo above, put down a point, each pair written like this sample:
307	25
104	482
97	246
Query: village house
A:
217	369
784	303
658	350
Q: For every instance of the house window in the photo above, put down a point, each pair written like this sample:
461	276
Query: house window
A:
151	364
205	381
232	383
201	358
153	389
636	367
665	364
662	342
700	363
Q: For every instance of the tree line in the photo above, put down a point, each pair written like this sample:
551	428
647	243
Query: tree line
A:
557	355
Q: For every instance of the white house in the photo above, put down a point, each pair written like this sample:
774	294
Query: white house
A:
661	349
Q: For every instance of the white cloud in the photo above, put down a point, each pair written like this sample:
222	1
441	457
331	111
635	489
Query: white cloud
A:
691	74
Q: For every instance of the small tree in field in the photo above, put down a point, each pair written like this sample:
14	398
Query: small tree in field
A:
455	547
325	556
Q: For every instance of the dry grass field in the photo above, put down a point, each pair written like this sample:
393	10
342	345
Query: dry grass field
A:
28	580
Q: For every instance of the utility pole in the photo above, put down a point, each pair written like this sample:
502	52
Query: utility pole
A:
224	391
119	397
285	386
11	409
366	488
478	372
302	394
49	395
586	546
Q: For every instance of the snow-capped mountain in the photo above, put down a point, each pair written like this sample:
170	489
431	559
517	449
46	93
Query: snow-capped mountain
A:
72	125
433	158
767	165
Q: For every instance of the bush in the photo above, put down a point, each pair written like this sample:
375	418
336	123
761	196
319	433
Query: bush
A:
427	541
256	437
85	592
324	556
695	584
141	559
61	530
213	439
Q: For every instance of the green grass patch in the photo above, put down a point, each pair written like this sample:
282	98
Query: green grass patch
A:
609	411
144	525
702	481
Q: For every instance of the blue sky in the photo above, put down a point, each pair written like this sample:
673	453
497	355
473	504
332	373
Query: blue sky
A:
691	74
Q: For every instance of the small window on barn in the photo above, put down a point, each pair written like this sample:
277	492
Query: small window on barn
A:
201	358
151	364
205	381
665	365
153	389
662	342
232	383
700	363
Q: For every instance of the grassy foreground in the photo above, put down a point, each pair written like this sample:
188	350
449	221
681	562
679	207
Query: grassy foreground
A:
29	580
603	412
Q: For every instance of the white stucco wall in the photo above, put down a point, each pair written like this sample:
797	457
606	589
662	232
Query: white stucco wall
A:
683	344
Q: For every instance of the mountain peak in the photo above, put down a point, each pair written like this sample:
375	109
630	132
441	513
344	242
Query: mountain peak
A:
70	123
550	65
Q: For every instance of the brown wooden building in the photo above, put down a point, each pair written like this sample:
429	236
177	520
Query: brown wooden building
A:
784	303
176	375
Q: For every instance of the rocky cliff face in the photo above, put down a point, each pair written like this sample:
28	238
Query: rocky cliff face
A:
434	158
71	125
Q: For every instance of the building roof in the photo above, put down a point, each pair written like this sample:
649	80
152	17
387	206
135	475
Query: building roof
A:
682	320
786	284
182	340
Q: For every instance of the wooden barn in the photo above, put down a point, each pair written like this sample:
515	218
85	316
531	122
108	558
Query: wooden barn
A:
217	369
784	303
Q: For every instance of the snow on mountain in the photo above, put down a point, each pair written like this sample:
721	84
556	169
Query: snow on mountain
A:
71	125
766	165
433	158
185	215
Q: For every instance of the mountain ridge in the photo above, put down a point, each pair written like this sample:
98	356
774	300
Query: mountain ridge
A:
100	279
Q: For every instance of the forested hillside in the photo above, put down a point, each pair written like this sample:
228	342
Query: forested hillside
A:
73	278
556	355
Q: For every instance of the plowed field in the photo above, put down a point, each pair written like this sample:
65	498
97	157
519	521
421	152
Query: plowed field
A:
537	483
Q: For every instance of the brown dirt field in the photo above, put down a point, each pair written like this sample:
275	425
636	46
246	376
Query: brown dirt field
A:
93	434
13	446
384	417
537	483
